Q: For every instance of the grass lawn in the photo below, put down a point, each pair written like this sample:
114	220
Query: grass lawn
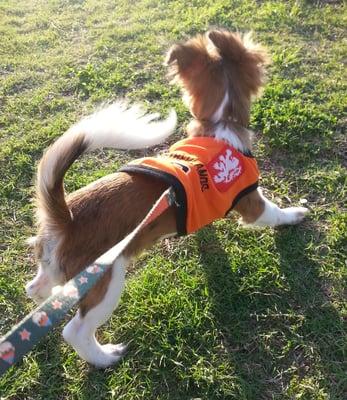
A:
226	313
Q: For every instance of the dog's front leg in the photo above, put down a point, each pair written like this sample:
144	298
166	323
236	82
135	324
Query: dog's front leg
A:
257	210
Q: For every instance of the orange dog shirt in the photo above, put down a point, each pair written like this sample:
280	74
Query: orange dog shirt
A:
209	178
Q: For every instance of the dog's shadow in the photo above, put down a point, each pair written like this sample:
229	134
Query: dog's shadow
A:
275	334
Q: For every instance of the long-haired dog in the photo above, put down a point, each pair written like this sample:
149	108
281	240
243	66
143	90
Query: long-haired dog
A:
219	73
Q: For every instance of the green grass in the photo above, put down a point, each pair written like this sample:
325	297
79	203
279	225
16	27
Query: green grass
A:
227	313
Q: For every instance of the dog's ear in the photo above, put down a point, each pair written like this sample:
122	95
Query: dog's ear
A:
196	52
179	56
244	64
237	48
215	37
221	41
211	46
172	54
195	66
184	61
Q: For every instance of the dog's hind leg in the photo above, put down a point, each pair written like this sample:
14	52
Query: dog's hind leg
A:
80	331
103	298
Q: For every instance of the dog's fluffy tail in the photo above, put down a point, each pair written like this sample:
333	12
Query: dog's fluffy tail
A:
117	126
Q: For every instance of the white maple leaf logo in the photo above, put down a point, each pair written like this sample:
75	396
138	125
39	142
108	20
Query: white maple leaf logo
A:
228	168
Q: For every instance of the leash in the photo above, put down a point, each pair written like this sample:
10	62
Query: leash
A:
26	334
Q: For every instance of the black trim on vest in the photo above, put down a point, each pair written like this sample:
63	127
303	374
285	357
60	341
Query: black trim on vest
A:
171	180
243	193
247	153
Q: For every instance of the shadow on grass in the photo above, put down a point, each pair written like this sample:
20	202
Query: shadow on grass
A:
52	382
275	336
322	335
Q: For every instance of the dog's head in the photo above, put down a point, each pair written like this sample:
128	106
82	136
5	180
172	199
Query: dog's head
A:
219	73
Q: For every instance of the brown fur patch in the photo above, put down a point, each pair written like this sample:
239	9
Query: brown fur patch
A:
250	207
50	195
104	212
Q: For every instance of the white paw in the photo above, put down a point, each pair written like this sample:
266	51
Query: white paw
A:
78	335
108	355
115	349
294	215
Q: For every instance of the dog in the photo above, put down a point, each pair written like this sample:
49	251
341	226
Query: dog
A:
220	73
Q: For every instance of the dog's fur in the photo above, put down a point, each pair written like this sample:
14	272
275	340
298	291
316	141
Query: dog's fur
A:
219	73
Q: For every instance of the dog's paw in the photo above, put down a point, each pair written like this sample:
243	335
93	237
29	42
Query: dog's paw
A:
115	349
109	355
295	215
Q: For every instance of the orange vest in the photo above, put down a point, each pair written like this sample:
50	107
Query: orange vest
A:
209	177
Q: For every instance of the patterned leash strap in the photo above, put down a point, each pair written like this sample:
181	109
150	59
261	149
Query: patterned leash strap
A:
23	337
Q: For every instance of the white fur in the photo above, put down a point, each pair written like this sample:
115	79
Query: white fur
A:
123	127
31	241
227	135
80	331
39	287
274	216
115	126
48	274
217	116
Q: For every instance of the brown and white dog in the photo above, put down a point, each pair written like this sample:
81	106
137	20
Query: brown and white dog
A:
219	72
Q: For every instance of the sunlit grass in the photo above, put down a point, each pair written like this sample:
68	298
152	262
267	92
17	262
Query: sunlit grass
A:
224	314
